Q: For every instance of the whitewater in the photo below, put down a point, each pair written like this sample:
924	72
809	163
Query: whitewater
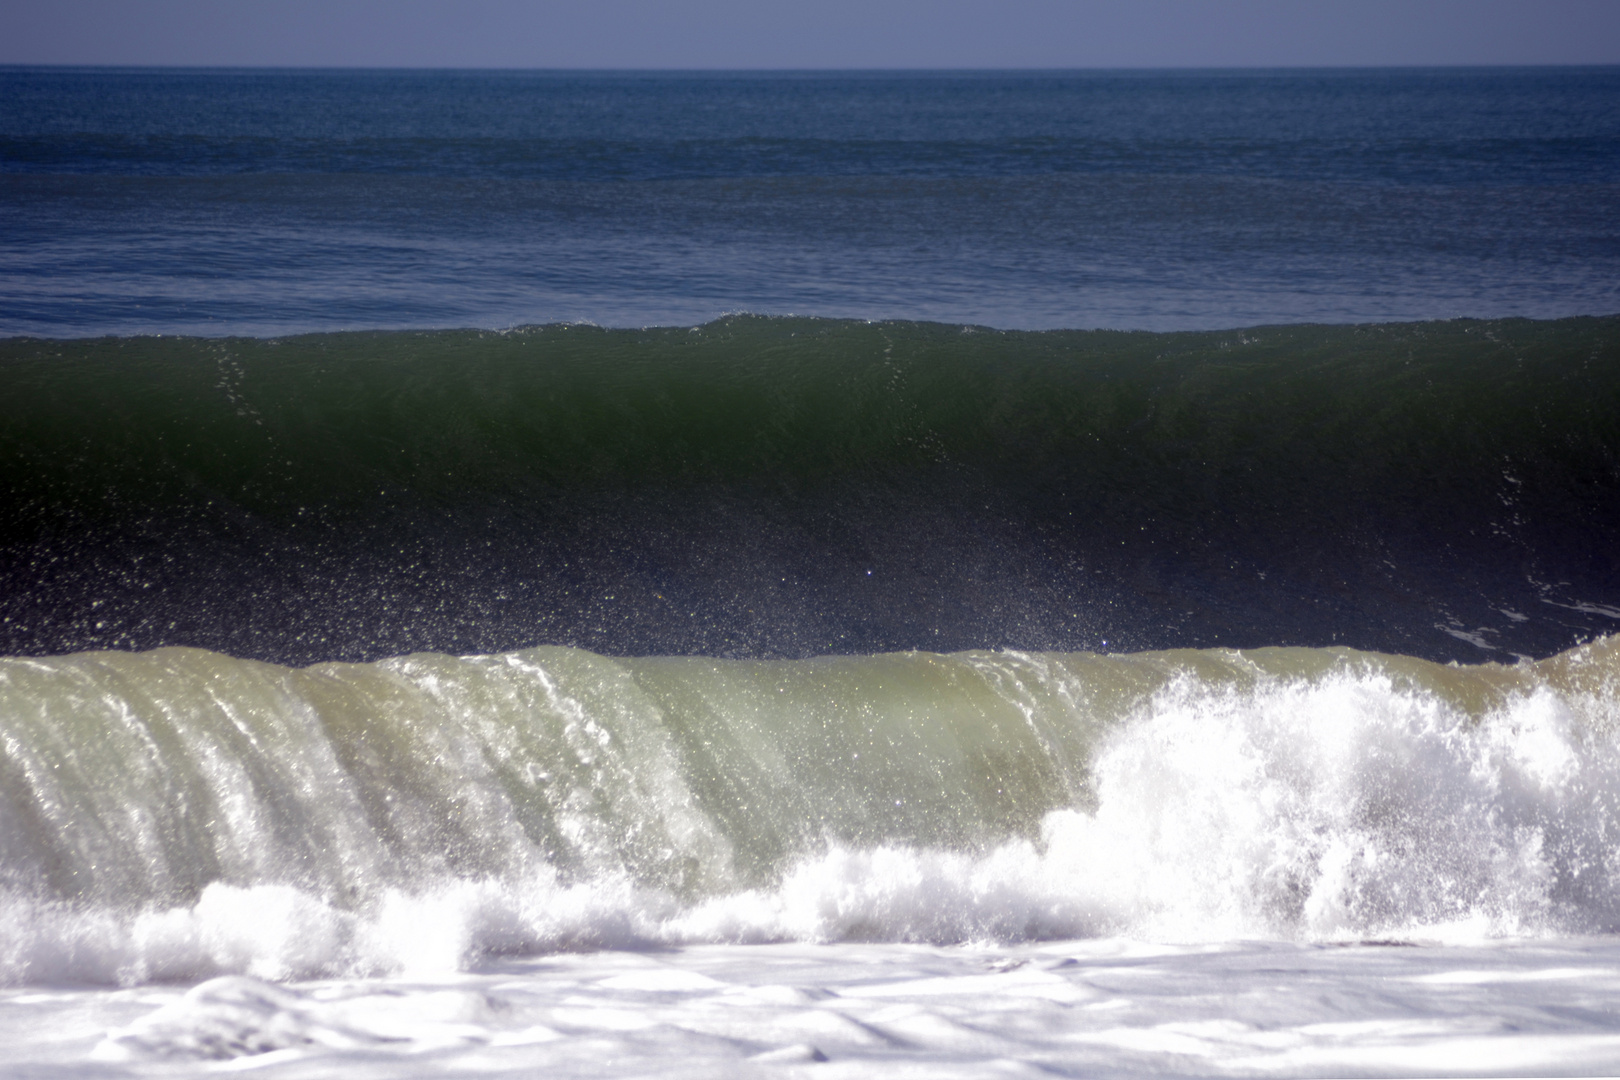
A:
1295	861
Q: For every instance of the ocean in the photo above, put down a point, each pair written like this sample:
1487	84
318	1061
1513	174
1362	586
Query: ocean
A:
795	574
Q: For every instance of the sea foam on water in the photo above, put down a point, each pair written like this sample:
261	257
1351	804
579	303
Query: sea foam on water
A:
1284	794
1346	864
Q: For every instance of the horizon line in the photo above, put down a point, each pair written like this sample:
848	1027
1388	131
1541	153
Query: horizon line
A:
827	70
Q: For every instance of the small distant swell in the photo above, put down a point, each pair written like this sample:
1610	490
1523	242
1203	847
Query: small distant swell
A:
181	814
778	487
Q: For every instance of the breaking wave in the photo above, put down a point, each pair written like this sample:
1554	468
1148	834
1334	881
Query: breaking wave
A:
180	814
777	487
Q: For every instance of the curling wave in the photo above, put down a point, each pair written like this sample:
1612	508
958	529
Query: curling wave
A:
775	487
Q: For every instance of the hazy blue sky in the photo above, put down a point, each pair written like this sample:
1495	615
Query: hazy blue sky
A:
809	33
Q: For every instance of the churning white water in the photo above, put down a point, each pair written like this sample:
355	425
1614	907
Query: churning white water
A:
1357	863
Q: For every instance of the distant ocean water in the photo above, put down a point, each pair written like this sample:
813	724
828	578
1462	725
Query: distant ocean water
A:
1105	572
219	202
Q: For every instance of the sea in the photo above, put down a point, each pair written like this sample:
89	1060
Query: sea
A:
804	574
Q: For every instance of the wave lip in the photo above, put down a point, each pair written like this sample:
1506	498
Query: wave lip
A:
181	814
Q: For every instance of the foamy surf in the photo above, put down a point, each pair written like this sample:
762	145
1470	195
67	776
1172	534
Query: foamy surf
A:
1109	1006
184	815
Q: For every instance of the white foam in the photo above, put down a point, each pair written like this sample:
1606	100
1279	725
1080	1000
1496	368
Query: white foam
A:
1342	808
1109	1006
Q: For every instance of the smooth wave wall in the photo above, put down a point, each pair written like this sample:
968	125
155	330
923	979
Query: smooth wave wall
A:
181	813
796	487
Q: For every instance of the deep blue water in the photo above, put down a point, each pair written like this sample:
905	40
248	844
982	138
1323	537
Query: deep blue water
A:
214	202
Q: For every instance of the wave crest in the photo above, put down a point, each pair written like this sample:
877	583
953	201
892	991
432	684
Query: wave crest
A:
1304	794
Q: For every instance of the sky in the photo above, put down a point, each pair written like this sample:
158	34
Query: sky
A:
809	33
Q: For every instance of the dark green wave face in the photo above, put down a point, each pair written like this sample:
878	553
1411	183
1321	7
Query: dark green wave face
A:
768	487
